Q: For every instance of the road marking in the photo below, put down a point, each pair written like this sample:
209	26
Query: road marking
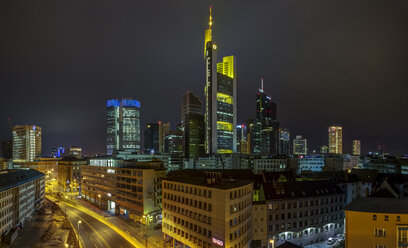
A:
96	232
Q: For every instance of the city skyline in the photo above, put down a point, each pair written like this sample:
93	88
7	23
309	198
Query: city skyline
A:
69	117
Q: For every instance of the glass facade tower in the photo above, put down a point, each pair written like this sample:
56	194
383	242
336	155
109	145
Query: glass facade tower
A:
123	126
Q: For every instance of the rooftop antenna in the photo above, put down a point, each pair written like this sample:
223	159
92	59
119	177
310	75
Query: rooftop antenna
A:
262	81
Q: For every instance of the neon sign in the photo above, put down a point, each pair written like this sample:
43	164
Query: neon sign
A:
217	241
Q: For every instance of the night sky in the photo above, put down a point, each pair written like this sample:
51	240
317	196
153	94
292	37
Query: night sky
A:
323	62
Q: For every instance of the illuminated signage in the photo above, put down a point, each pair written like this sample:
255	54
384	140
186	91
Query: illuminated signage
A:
217	241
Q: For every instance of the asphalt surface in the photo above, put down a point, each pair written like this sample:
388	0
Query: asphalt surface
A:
93	233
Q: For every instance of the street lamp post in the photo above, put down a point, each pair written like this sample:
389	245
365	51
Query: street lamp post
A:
79	222
146	237
100	204
66	197
272	242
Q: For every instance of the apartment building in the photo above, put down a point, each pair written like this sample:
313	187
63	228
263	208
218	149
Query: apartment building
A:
207	209
377	222
21	192
270	165
303	212
129	188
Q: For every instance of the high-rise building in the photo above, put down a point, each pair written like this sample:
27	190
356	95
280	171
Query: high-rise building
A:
7	148
300	145
250	129
284	141
75	151
164	130
242	139
266	116
335	139
58	152
220	99
193	126
26	142
151	138
356	147
173	142
123	125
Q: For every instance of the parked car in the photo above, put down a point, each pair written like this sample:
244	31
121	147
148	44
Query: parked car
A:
340	237
157	227
331	241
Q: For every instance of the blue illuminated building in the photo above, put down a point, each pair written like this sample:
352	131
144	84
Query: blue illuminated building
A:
123	125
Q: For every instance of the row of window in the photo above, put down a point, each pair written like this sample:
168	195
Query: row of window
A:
306	213
188	189
316	202
193	239
188	201
294	225
241	205
305	233
188	213
236	221
386	218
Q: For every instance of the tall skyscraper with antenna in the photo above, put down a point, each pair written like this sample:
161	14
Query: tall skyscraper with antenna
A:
220	98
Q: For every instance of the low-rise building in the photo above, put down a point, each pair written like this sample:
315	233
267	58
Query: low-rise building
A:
21	192
206	209
303	212
132	189
270	165
307	163
377	222
69	174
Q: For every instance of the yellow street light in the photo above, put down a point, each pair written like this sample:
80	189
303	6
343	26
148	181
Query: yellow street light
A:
66	245
272	243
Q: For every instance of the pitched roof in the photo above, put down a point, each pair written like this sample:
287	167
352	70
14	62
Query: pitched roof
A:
379	205
284	190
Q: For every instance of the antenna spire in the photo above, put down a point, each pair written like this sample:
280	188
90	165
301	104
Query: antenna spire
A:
262	81
210	23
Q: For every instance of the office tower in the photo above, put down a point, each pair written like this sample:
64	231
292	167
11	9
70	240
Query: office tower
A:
284	142
242	139
164	130
356	147
266	116
220	99
26	142
7	148
193	126
250	129
299	145
324	149
75	151
58	152
151	138
123	125
335	139
173	142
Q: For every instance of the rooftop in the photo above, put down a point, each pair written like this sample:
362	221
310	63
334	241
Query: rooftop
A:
379	205
285	190
12	178
228	179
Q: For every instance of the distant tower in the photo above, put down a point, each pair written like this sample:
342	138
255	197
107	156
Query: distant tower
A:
267	123
193	126
356	147
284	141
151	138
299	145
335	139
164	130
123	125
220	99
26	142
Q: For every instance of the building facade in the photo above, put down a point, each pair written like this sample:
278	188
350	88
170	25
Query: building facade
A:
21	192
377	222
356	147
123	125
26	142
335	139
151	139
299	145
270	165
205	210
193	126
220	99
132	189
284	142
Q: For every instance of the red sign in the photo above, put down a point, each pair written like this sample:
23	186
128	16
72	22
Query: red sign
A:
217	242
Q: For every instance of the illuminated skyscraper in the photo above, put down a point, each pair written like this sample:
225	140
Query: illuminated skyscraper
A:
269	126
164	130
356	147
335	140
151	138
284	141
192	126
123	125
220	99
26	142
299	145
